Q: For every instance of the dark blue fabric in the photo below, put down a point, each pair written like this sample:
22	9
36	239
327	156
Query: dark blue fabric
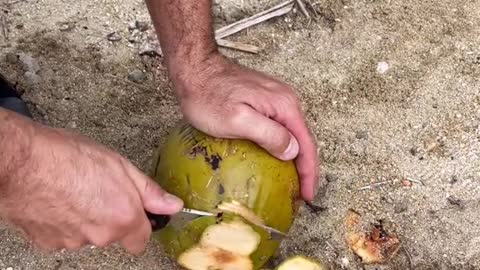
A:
9	99
6	89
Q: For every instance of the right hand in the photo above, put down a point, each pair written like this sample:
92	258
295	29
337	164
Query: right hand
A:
72	192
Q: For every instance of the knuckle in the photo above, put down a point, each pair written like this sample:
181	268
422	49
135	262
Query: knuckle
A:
237	115
290	99
127	219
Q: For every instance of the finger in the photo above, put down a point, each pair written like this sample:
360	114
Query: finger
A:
74	244
154	198
247	123
100	236
137	240
307	159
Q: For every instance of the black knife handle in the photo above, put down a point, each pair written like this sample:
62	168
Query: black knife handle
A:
158	221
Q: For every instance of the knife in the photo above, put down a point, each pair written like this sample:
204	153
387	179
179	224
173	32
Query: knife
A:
160	221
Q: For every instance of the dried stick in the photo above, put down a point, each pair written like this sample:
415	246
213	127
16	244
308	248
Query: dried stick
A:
409	257
301	5
310	5
15	2
3	25
275	11
238	46
415	181
127	81
375	185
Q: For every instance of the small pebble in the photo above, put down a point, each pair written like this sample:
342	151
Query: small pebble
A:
9	268
137	76
400	208
454	179
32	78
456	201
382	67
134	36
141	26
72	125
132	25
330	177
431	144
114	36
11	58
406	183
361	135
29	63
66	26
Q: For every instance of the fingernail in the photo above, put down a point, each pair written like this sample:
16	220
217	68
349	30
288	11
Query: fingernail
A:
292	150
173	200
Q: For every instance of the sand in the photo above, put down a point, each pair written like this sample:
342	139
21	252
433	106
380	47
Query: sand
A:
391	90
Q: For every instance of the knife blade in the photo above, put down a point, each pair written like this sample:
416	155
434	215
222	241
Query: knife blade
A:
160	221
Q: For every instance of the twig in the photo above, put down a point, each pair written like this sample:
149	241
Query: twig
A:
415	181
5	9
15	2
127	81
330	245
375	185
301	5
310	5
238	46
3	25
409	257
275	11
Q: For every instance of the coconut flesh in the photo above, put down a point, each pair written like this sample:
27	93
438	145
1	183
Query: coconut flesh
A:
300	263
227	245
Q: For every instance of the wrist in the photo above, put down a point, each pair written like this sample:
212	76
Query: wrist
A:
189	77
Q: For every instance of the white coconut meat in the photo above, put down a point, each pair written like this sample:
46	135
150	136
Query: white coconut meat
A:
236	237
300	263
226	245
241	210
208	258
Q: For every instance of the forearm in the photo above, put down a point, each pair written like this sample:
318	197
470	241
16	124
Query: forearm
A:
185	31
16	133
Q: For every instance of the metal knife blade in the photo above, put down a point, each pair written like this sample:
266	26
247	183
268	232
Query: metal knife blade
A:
276	234
160	221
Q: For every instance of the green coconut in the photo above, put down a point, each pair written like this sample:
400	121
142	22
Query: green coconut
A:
207	172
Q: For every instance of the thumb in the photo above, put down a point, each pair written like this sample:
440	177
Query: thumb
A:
154	198
267	133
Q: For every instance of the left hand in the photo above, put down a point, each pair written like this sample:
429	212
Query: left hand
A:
227	100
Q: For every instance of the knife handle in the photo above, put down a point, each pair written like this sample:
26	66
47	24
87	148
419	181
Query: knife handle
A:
158	221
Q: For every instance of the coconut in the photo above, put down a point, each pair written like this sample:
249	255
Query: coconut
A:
300	262
245	185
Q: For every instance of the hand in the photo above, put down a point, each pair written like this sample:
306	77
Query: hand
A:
71	192
229	101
